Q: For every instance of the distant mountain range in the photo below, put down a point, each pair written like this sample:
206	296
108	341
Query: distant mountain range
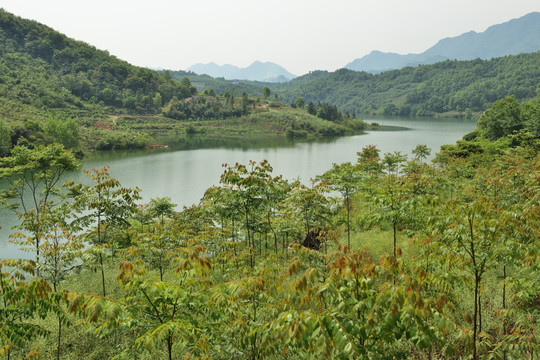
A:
516	36
258	71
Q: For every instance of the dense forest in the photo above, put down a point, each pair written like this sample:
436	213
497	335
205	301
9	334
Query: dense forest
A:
444	87
411	261
220	85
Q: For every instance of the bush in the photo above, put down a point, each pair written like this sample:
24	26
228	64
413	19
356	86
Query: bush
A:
292	133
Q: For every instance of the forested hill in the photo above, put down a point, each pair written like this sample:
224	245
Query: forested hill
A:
448	86
220	85
42	69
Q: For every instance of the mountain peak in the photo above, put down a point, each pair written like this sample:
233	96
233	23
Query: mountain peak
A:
257	71
510	38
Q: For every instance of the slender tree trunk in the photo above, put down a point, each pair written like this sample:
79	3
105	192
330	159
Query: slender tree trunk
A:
475	316
274	233
504	288
395	239
285	242
347	201
250	242
234	237
260	244
254	343
101	256
479	311
102	273
504	307
265	243
169	346
59	338
37	241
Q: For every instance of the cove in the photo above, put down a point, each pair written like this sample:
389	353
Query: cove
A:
189	166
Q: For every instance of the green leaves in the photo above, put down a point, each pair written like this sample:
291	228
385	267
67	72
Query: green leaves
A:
361	313
20	303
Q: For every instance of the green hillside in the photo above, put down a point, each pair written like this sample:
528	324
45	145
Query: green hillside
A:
55	89
445	87
220	85
42	68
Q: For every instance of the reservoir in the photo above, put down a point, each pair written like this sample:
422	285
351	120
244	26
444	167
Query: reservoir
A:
186	169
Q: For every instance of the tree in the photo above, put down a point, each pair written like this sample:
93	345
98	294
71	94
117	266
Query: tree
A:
33	176
224	206
501	119
468	234
369	161
344	178
158	245
245	102
311	109
355	312
392	161
65	132
299	103
22	301
171	314
248	184
106	205
60	255
157	101
421	152
5	140
310	205
266	92
393	204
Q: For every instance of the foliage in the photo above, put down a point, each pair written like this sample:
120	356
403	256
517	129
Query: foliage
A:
201	107
505	118
205	282
448	86
354	311
107	205
64	132
5	140
33	176
44	72
20	303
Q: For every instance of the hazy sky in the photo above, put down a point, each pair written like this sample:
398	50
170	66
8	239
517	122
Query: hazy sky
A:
300	35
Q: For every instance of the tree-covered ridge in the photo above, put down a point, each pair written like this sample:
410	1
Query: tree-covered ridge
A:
44	68
445	87
220	85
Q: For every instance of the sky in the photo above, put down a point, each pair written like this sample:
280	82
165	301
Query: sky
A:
299	35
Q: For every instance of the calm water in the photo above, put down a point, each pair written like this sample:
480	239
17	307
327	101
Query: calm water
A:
184	175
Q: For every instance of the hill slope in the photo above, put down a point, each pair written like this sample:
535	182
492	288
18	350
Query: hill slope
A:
424	90
45	69
510	38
